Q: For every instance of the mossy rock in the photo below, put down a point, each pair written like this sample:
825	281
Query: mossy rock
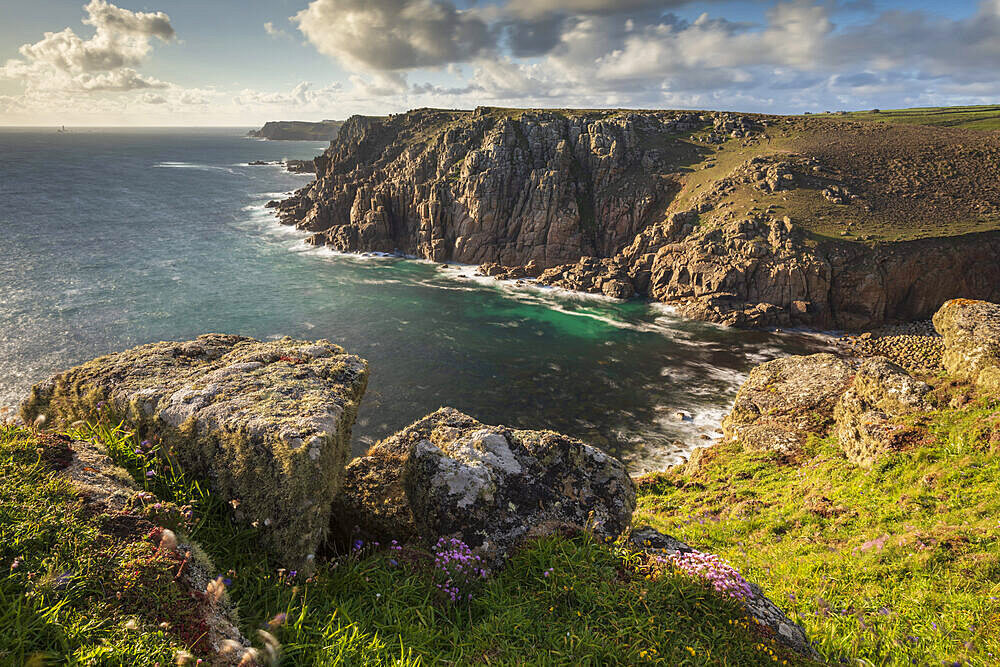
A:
785	400
971	331
448	475
266	425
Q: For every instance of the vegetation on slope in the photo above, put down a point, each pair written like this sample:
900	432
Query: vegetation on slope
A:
899	564
981	117
71	591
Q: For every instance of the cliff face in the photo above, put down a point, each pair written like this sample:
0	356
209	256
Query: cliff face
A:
617	202
487	186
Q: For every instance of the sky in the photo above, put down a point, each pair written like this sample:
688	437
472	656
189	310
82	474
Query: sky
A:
243	62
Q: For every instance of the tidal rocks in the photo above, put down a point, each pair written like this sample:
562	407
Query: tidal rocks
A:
880	392
448	475
266	424
785	400
971	331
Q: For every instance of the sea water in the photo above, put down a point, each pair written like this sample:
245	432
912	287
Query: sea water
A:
110	238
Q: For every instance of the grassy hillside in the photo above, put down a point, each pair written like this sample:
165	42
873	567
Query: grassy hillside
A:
983	117
895	565
73	590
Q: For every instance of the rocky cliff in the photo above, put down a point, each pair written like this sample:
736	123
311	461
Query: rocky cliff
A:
727	216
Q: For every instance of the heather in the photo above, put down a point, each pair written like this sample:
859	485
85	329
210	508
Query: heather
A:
68	586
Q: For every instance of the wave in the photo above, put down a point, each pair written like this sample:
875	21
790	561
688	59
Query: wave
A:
189	165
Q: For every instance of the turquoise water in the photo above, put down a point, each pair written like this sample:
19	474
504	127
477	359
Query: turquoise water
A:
113	238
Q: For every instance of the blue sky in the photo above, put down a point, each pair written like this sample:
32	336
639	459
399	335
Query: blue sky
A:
241	62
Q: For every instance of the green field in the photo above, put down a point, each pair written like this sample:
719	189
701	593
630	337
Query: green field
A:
984	117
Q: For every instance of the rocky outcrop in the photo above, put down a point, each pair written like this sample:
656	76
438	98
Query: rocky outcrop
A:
864	415
266	424
494	186
971	331
786	400
448	475
298	130
589	201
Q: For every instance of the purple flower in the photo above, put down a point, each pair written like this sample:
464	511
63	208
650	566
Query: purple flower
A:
227	582
150	473
144	443
358	544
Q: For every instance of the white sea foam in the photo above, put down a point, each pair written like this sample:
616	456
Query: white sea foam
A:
189	165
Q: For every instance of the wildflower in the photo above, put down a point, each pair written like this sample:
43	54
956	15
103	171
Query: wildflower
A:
228	646
215	590
16	564
235	502
278	620
271	646
168	540
183	657
131	624
251	658
150	473
144	443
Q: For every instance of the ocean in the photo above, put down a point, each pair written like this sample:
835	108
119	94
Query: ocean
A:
110	238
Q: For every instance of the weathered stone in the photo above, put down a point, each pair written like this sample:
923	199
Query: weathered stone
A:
880	392
765	612
785	400
265	424
448	475
971	331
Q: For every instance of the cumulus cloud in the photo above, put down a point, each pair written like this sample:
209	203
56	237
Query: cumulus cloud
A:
65	61
394	34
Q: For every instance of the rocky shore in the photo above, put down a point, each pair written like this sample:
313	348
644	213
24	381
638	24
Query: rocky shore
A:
613	203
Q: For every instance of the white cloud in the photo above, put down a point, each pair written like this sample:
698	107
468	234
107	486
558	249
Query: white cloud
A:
394	34
65	61
274	31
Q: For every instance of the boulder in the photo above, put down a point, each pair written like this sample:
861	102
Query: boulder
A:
864	414
448	475
785	400
266	425
971	331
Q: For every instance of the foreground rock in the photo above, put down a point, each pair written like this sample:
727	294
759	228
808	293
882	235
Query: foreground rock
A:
785	400
760	608
880	392
971	331
266	424
448	475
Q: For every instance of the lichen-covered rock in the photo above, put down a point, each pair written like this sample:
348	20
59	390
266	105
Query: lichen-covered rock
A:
785	400
266	424
765	612
971	331
881	391
448	475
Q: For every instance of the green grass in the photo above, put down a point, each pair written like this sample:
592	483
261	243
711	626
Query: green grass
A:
895	565
598	604
984	117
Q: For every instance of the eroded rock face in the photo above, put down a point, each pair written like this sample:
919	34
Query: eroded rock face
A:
449	475
266	424
971	331
880	392
785	400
